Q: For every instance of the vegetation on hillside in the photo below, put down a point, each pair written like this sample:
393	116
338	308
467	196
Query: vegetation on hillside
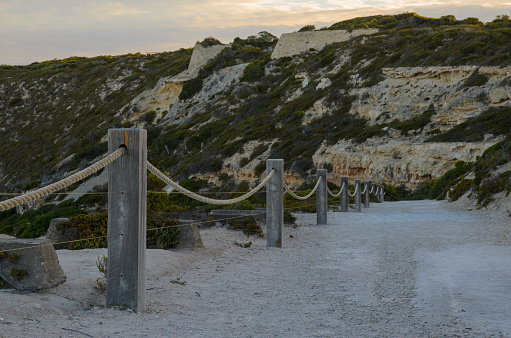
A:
54	109
56	113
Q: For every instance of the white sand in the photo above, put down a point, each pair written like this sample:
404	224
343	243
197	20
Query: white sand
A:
421	268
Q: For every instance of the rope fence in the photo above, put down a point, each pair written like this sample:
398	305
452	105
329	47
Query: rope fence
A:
303	198
339	193
203	199
45	191
354	192
128	210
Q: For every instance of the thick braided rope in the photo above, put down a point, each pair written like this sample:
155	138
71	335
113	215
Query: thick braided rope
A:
338	194
365	189
200	198
303	198
354	192
45	191
376	191
372	189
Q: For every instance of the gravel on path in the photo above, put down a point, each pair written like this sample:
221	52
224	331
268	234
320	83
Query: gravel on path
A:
397	269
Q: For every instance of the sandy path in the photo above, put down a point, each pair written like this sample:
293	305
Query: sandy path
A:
396	269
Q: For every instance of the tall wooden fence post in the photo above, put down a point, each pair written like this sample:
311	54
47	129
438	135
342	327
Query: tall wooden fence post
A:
358	195
366	195
274	203
344	194
321	197
127	209
382	192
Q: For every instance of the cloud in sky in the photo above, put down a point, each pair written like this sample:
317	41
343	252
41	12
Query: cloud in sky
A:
34	30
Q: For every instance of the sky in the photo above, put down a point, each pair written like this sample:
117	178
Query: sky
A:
39	30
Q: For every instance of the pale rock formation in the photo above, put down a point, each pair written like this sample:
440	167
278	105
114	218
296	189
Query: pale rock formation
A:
408	91
167	90
295	43
394	161
201	55
215	84
324	83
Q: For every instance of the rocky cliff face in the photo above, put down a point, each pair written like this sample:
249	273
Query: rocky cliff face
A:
404	93
396	161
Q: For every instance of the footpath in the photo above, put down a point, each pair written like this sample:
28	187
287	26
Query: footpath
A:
414	269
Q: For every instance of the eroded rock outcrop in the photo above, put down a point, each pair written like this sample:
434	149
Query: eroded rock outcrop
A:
396	162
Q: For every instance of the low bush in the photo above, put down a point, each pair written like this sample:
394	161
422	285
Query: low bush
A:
448	180
162	233
249	226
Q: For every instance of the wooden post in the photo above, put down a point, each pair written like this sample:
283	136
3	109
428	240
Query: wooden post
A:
366	195
274	204
382	192
321	197
344	194
127	209
358	196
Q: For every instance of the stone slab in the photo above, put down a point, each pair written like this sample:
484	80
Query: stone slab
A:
37	258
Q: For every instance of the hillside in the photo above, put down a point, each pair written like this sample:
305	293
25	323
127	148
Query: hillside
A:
401	105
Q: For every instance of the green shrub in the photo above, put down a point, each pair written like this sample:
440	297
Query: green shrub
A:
476	79
190	88
460	189
449	179
162	233
253	72
288	217
40	225
495	120
245	205
244	161
307	28
260	168
210	41
248	225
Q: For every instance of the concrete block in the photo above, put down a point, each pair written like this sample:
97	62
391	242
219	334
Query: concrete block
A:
60	231
189	236
37	260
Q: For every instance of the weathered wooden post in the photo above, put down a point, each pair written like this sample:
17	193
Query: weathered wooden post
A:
366	195
358	196
321	197
373	189
382	193
377	194
274	204
344	194
127	209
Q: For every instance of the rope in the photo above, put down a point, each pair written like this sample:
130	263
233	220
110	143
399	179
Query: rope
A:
303	198
45	191
203	199
338	194
354	192
372	188
365	189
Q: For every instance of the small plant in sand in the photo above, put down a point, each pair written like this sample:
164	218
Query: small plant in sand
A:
101	263
178	281
243	245
14	257
18	273
249	226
